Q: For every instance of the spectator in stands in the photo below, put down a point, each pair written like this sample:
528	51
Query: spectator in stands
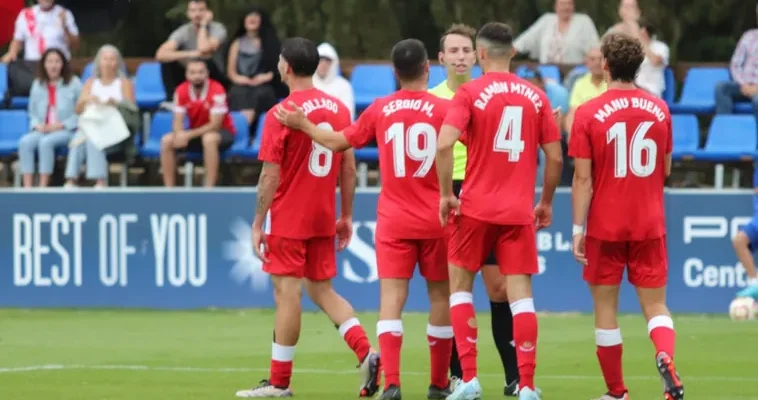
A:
211	130
744	69
201	38
52	116
587	87
38	28
108	86
563	37
251	65
629	13
328	79
651	75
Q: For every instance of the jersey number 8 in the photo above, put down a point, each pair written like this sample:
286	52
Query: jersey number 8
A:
639	143
320	160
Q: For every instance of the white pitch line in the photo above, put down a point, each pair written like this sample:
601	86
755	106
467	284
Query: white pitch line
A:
310	371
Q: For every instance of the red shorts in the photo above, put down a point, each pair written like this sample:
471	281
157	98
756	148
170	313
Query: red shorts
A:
515	246
313	258
606	261
397	258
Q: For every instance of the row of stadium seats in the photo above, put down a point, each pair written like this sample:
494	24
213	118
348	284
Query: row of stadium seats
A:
730	138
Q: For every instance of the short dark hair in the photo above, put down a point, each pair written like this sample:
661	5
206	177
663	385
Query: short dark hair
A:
648	26
498	35
458	29
66	73
623	54
195	61
409	59
302	56
198	1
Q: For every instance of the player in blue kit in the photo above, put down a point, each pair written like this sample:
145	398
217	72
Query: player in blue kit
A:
745	243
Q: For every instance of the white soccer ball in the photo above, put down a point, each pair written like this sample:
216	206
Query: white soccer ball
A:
743	309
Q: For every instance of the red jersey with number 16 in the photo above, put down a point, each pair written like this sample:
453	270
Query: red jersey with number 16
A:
627	135
506	119
304	204
405	126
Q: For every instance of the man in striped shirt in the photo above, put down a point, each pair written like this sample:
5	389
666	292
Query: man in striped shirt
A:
744	69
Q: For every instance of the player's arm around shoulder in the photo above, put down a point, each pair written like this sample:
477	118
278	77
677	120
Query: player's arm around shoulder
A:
291	116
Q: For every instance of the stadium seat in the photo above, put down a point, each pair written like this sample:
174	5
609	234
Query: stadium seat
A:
370	81
159	127
476	72
573	75
743	107
87	72
550	72
13	125
699	90
19	102
437	74
730	138
686	135
3	81
256	146
148	86
367	154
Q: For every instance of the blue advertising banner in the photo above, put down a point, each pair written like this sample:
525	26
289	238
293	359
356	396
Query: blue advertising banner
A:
142	248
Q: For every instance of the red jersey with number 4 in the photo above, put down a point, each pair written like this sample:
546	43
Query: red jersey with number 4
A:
506	119
304	205
405	126
627	135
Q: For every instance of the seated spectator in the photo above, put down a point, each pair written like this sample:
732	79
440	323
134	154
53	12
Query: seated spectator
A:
251	66
107	86
587	87
744	69
211	130
651	75
328	79
562	37
52	116
629	13
198	39
38	28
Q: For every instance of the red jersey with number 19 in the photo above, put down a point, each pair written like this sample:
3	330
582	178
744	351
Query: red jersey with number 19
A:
304	204
405	126
506	119
626	134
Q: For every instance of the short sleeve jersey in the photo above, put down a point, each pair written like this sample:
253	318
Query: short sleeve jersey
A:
199	108
304	204
627	135
41	30
185	36
405	126
505	119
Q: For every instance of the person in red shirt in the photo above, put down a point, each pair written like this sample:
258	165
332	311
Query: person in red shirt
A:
405	126
506	119
211	131
296	200
621	142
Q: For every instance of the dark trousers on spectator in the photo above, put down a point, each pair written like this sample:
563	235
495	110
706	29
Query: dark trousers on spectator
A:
729	92
21	75
173	75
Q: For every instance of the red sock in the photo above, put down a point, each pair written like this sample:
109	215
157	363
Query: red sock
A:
463	318
281	365
525	339
609	352
440	340
661	330
355	337
390	341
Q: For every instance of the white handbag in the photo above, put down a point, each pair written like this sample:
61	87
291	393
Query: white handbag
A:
102	125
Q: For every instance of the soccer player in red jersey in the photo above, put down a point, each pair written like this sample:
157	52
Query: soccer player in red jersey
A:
296	199
621	142
505	119
405	126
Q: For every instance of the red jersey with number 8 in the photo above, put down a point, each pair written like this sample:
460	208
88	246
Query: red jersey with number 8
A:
405	126
304	204
506	119
627	135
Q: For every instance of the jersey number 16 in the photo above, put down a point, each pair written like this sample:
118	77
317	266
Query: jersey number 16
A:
639	143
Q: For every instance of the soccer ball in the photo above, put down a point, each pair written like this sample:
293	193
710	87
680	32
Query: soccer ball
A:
743	308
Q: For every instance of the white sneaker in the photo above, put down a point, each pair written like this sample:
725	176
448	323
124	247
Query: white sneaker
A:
528	394
609	397
264	389
470	390
369	371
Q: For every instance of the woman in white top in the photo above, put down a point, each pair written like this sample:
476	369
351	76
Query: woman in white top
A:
108	86
328	79
562	37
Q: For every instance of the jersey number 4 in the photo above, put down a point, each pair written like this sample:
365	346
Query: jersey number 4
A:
320	160
508	136
409	142
639	144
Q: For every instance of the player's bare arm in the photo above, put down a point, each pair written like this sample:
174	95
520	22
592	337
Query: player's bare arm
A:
168	52
553	168
295	118
581	193
213	125
444	162
267	185
347	195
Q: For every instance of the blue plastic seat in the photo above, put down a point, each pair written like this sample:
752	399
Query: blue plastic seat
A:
686	135
549	71
13	125
437	75
730	138
744	107
698	92
367	154
370	81
148	85
476	72
19	102
160	125
669	86
241	146
3	80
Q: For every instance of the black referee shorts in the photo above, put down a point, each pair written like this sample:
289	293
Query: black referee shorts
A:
491	260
